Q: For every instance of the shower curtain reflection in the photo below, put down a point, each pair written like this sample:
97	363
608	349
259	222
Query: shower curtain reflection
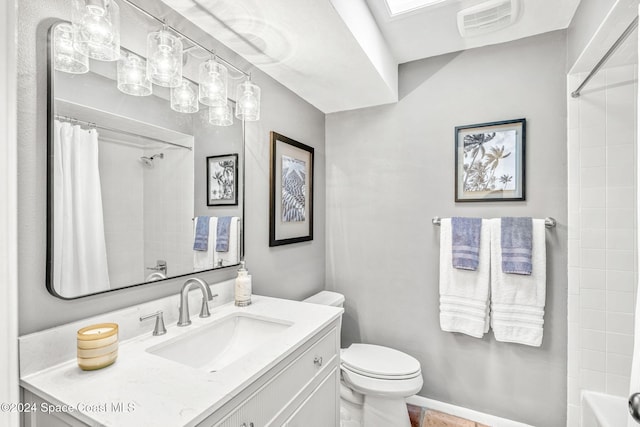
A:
79	248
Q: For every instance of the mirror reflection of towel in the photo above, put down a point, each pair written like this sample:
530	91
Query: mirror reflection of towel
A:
204	260
222	234
201	239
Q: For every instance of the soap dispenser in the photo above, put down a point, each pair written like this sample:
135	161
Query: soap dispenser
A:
243	287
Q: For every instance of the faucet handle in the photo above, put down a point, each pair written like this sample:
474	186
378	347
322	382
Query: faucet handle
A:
159	329
204	310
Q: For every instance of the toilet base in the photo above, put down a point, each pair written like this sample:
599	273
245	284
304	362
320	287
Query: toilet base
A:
350	414
374	412
385	412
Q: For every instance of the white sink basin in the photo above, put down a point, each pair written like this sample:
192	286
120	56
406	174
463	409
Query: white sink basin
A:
216	345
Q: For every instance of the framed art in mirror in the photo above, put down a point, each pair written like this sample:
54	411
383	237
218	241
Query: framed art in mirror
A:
291	191
222	180
490	161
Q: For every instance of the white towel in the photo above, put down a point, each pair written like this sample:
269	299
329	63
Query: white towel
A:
204	260
232	256
517	301
464	294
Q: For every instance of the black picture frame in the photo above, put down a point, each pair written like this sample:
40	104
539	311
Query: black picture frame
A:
291	197
220	170
481	165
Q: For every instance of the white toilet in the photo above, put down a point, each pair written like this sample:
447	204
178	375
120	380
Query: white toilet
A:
375	382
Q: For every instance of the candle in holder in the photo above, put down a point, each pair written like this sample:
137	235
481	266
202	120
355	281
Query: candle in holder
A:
97	346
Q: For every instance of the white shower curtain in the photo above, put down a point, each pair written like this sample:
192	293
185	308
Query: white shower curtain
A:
79	247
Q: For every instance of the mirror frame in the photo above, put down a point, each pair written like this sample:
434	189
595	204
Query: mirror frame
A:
49	227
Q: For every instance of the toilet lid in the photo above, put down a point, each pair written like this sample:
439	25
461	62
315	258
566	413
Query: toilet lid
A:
379	362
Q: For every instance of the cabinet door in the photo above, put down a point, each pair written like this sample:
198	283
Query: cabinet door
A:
38	418
322	407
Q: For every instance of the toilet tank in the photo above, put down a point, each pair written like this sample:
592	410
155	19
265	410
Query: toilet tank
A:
326	298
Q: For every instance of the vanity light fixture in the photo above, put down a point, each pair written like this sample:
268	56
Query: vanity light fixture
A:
65	57
221	116
96	34
164	58
96	25
132	75
184	98
248	101
213	83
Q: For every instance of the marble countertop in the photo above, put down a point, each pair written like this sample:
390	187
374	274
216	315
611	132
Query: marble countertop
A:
142	389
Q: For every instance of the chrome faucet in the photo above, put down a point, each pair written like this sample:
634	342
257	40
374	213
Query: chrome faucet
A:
184	320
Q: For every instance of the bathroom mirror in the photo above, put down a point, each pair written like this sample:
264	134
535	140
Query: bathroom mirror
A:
128	178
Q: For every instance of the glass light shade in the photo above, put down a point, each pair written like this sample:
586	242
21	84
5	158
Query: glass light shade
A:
164	59
248	101
221	116
132	75
96	25
184	98
213	84
65	57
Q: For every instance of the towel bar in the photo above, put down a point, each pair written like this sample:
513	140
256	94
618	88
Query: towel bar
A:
548	221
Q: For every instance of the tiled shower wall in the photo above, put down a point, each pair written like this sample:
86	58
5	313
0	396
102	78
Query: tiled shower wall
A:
148	211
168	210
602	234
122	202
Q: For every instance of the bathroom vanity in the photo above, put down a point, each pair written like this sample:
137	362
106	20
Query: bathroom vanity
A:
275	362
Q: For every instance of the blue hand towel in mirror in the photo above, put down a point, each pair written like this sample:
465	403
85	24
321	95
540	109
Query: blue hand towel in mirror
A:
201	239
222	234
516	241
465	235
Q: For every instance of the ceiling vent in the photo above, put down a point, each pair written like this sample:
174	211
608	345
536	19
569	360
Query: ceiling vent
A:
487	17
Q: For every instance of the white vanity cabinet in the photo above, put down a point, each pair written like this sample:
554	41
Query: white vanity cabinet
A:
287	376
302	390
40	413
318	410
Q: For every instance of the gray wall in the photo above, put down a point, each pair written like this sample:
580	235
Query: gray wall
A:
585	22
390	169
214	141
294	271
290	271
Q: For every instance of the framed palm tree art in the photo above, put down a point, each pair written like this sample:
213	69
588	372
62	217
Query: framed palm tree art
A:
291	191
490	161
222	180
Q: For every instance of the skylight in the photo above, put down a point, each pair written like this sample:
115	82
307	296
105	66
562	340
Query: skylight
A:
397	7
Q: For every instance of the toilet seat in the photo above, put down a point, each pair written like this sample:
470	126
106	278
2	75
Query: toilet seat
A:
381	387
379	362
382	371
380	376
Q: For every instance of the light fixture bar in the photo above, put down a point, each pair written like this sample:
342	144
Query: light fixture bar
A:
181	34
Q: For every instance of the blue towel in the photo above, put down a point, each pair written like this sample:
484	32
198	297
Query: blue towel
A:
222	234
201	240
516	239
465	239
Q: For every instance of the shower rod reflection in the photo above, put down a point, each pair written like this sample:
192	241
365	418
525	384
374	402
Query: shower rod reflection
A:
94	125
548	221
